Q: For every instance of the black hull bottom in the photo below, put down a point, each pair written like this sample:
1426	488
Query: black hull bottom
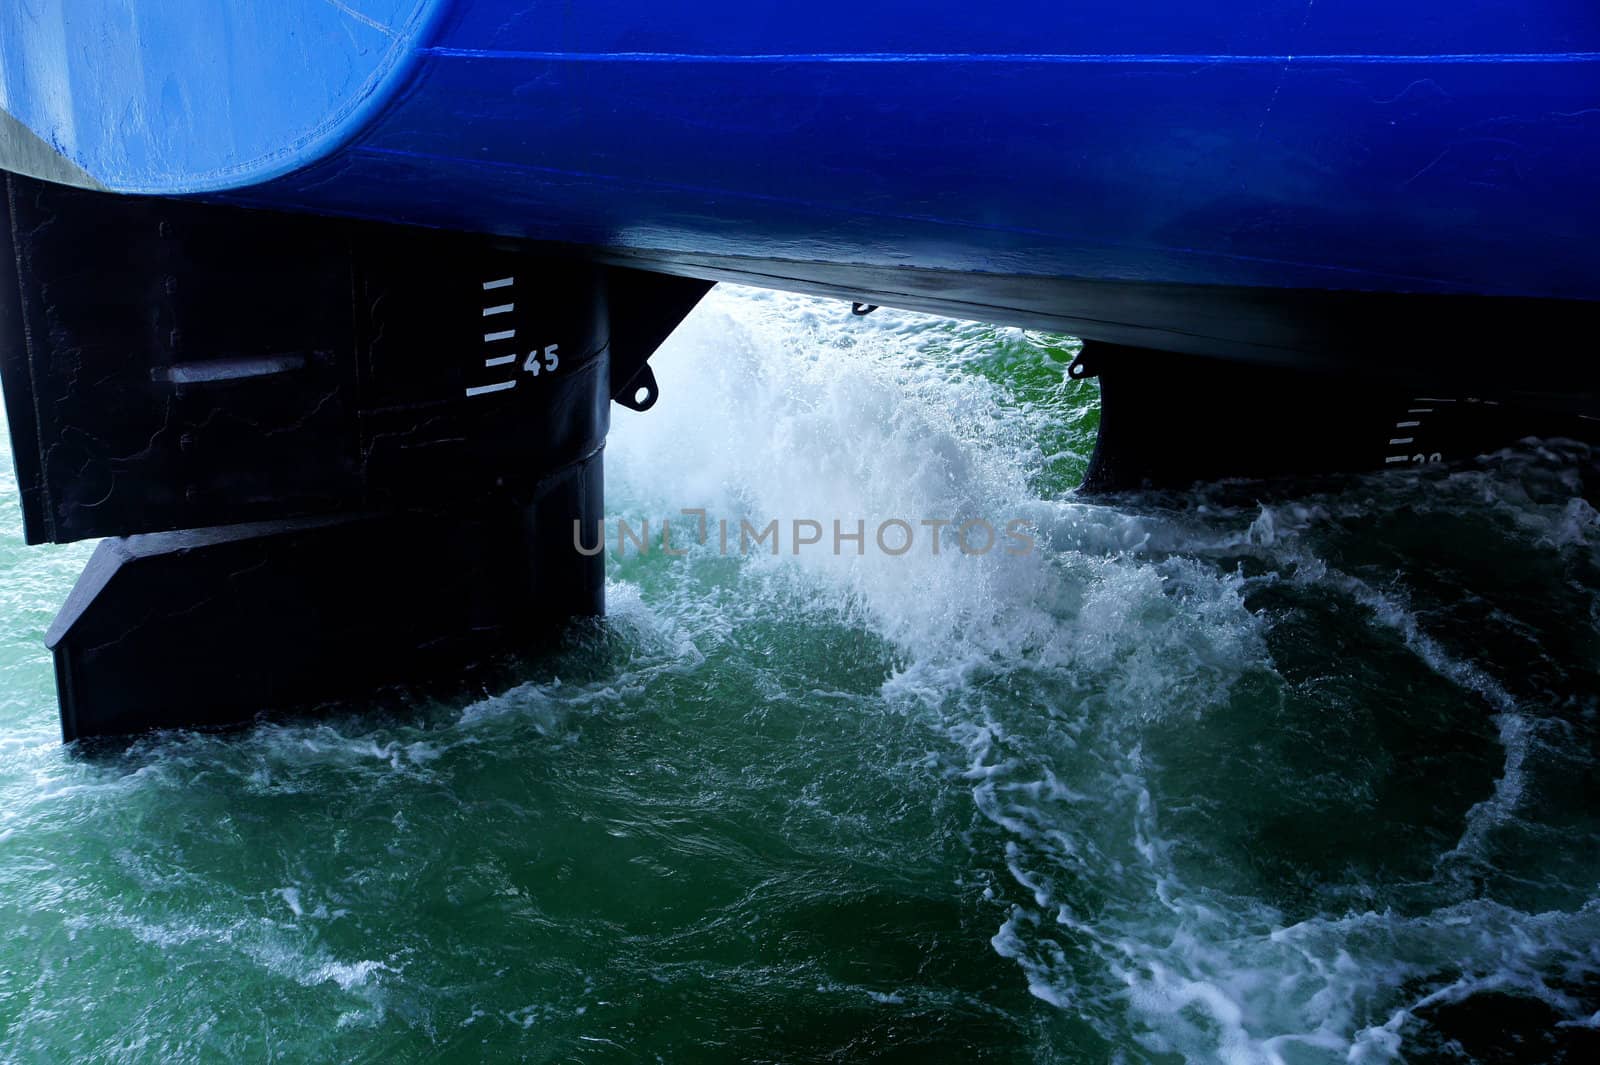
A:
1532	351
339	456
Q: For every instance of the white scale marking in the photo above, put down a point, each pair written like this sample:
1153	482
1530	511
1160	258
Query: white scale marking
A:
1420	410
1432	399
1406	425
1397	458
1401	440
490	338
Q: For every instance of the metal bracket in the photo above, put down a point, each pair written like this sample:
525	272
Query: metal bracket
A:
641	391
1084	366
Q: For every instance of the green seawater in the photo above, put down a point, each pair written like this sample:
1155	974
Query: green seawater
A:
1249	773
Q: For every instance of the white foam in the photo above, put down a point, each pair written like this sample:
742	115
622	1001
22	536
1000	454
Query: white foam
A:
291	899
347	975
779	407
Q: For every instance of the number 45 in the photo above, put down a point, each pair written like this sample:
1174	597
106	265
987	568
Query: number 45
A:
550	356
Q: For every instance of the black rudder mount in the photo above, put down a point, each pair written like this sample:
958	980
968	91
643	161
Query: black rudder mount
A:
334	455
1169	420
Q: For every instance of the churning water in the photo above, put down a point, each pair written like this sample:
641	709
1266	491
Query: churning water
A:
1244	774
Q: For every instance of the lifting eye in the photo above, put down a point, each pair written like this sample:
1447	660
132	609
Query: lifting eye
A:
643	392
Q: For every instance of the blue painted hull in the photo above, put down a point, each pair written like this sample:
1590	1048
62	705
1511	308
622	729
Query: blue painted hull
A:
1404	146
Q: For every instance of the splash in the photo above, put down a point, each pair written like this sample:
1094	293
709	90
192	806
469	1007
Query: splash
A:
1070	683
1206	777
